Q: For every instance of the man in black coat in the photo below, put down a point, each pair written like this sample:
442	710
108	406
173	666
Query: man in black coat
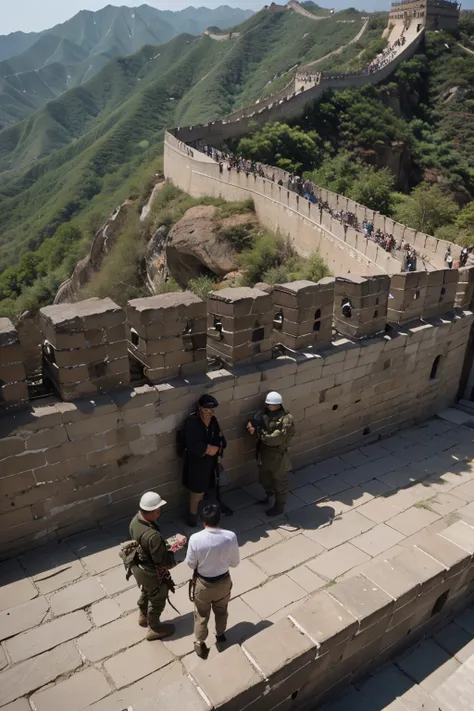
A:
204	444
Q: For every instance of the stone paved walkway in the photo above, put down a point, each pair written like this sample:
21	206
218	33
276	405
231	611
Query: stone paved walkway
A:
437	674
68	618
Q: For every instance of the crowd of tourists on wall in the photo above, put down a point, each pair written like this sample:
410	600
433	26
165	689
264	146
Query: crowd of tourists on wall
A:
386	56
401	250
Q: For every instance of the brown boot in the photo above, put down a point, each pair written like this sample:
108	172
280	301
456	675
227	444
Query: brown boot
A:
160	632
142	619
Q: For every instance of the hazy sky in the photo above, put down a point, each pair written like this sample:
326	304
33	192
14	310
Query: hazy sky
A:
34	15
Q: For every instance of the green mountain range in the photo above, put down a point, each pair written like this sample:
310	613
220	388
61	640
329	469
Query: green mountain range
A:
68	165
38	67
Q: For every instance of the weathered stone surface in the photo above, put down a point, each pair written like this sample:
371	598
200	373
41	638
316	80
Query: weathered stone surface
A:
325	620
229	680
22	617
337	561
273	596
104	612
47	636
114	580
137	662
18	705
166	696
78	692
363	599
52	567
76	596
32	674
15	587
111	638
461	534
281	647
286	555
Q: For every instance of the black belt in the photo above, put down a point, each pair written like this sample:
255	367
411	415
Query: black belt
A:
216	579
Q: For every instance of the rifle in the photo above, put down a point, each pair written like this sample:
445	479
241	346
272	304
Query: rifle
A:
192	586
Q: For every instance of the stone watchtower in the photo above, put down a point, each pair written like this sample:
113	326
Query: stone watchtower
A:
430	14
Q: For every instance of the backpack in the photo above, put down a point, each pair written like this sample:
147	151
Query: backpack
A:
131	554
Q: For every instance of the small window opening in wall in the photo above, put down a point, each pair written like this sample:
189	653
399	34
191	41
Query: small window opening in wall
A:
366	431
334	407
322	397
440	603
434	367
258	335
217	324
346	307
97	370
294	695
48	352
386	365
376	313
359	400
377	301
134	337
416	295
278	321
442	294
317	321
187	329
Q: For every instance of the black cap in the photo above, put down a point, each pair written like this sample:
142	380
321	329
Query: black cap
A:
208	401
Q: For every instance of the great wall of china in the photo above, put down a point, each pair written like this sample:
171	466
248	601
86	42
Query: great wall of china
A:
356	357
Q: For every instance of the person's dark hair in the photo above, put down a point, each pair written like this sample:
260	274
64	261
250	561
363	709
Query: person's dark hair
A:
211	515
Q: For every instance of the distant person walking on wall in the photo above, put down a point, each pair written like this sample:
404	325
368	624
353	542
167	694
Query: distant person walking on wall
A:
203	444
148	557
211	553
448	258
274	428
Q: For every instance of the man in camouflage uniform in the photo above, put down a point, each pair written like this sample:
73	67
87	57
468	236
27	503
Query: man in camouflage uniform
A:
151	571
274	428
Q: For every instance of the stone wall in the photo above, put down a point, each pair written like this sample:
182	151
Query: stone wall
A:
341	633
67	466
279	210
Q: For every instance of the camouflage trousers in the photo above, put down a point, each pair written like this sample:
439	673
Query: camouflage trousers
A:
273	477
152	600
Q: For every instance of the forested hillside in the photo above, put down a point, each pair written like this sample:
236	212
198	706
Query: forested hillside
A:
64	169
38	67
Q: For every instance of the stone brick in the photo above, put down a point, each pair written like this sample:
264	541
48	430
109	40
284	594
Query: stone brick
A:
34	673
427	572
52	567
342	529
280	650
47	636
18	705
413	520
325	621
15	588
363	599
110	639
378	539
401	585
229	680
286	555
78	692
338	561
245	577
76	596
22	463
114	580
22	617
273	596
306	579
137	662
454	558
461	534
104	612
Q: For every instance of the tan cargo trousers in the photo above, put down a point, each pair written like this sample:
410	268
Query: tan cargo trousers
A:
207	597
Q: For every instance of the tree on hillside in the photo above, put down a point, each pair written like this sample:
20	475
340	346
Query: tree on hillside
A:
426	209
336	174
289	148
373	188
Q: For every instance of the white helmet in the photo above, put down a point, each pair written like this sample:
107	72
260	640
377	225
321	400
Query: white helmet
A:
151	501
273	398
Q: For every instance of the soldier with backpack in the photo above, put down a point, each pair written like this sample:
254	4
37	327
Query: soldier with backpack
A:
149	557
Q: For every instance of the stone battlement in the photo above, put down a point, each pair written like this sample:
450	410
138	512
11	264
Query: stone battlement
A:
82	457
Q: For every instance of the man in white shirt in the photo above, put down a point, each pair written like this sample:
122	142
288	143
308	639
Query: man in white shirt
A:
211	553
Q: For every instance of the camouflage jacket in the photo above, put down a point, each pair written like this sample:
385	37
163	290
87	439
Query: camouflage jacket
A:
274	429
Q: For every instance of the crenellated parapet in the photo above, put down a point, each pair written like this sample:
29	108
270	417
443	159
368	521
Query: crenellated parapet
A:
94	346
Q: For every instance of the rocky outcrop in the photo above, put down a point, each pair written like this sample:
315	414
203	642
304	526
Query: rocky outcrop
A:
103	242
156	267
193	247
